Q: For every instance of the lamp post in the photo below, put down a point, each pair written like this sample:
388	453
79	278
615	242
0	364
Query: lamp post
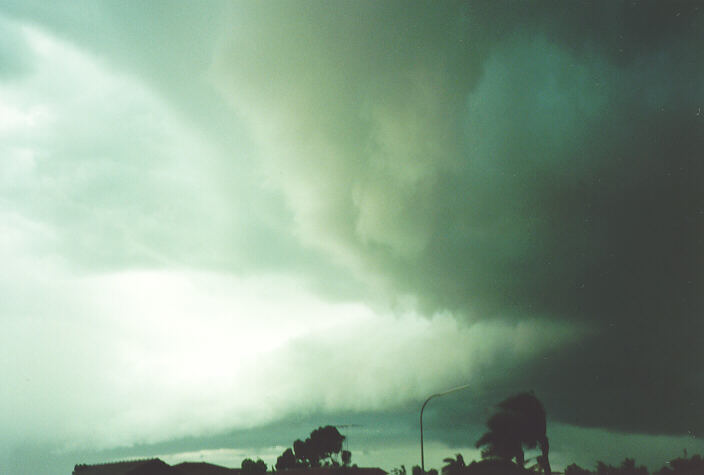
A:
422	456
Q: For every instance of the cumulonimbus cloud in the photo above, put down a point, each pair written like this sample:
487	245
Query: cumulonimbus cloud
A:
518	167
504	163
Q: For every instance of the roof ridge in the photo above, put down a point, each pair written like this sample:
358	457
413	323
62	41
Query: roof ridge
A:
117	462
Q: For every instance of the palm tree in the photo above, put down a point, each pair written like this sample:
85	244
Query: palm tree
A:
453	466
520	421
500	441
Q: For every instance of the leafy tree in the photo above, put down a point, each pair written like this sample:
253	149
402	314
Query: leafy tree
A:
250	467
346	458
575	469
286	460
419	471
627	467
303	453
519	421
495	466
318	449
398	470
324	442
683	466
453	466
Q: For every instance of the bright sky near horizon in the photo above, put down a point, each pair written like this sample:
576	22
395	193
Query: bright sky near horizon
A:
223	224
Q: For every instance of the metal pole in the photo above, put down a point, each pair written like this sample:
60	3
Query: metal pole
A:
422	455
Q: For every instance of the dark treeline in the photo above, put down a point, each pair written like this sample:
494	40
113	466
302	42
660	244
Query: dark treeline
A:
680	466
518	423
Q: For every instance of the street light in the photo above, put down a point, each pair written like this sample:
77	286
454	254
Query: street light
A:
422	456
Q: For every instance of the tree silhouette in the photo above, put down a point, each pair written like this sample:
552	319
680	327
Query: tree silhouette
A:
519	421
286	460
398	470
324	442
627	467
683	466
318	449
575	469
495	466
346	457
250	467
303	454
453	466
416	470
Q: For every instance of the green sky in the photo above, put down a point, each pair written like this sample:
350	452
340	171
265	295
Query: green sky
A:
223	224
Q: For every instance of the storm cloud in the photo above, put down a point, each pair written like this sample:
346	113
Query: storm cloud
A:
225	218
503	161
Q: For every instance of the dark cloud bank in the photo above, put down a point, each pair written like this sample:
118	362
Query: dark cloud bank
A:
506	160
552	169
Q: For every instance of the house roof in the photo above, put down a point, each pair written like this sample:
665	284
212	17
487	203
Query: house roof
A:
154	467
128	467
335	471
159	467
202	468
494	467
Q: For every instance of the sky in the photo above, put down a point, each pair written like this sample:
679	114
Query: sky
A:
226	223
